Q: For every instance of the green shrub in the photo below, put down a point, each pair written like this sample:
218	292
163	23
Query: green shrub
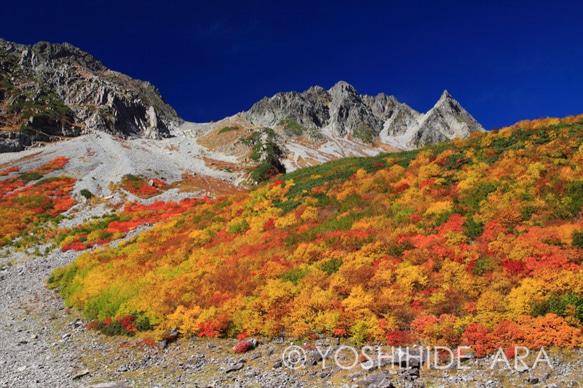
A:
252	139
398	249
86	194
267	169
483	265
331	266
364	133
238	227
48	180
229	128
294	275
143	324
472	228
477	195
575	192
292	128
31	176
561	305
131	178
578	239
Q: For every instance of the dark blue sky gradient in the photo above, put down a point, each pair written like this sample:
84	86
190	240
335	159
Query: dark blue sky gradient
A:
503	60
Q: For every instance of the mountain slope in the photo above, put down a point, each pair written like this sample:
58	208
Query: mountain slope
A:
475	242
54	91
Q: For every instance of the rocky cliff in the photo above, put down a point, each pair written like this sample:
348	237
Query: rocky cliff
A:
341	111
54	91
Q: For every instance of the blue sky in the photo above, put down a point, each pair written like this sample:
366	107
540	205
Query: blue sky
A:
503	60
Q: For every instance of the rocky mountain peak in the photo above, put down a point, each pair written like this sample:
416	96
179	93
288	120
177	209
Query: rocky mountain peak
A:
342	89
447	103
65	52
445	121
381	105
50	91
341	111
445	95
350	115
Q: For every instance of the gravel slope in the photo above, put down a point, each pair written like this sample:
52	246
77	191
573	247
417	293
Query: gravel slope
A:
98	159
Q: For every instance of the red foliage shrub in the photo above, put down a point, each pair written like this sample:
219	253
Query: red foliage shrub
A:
241	336
269	224
340	332
278	182
77	246
8	171
477	337
514	267
399	337
207	329
146	343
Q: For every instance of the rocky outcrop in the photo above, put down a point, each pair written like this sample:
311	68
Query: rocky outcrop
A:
403	119
341	111
310	109
445	121
349	113
54	91
13	141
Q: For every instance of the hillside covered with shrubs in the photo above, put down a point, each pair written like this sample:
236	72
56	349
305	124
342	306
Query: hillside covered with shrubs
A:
475	242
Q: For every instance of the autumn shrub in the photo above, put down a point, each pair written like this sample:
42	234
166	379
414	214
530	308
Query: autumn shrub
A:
141	186
8	171
478	338
399	337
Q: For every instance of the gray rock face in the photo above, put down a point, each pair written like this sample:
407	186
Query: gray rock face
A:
404	118
309	109
446	120
381	105
342	111
348	111
53	91
13	141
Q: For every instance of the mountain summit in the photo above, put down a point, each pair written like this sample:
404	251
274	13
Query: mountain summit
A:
53	91
341	111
